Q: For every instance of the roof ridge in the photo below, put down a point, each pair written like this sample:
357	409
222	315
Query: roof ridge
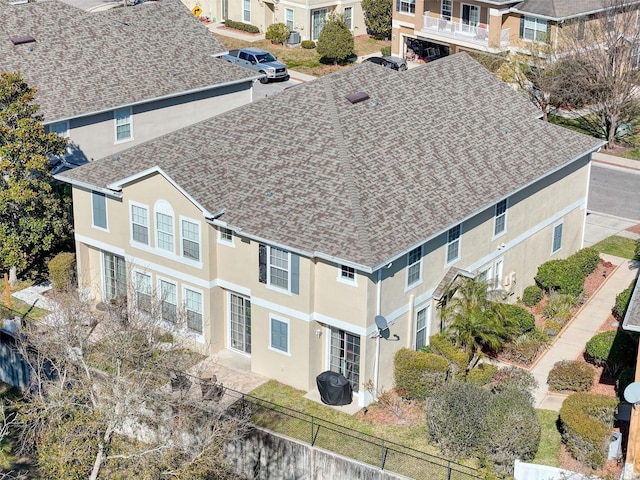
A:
349	180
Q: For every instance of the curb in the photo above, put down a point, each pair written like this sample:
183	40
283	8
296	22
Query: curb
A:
613	164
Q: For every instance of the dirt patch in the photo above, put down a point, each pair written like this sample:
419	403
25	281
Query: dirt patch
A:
392	409
634	229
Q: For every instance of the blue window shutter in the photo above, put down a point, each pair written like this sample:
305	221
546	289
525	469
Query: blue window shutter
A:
262	263
521	27
295	274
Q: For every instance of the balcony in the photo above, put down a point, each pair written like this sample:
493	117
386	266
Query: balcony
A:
477	34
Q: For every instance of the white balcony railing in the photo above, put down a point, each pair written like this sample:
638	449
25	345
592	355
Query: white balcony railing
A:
478	34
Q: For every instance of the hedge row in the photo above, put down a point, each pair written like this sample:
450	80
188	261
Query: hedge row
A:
526	348
418	374
622	301
613	349
442	345
586	422
567	275
245	27
62	270
524	319
532	295
571	375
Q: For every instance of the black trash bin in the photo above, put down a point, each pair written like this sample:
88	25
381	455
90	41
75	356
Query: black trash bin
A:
334	388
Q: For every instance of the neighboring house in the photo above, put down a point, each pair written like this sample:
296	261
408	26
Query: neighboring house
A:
109	80
305	17
434	28
366	193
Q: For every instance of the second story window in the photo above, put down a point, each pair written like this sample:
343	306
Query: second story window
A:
225	235
533	29
557	238
406	6
140	224
347	273
99	209
278	268
190	240
414	266
453	244
164	231
500	221
124	130
447	9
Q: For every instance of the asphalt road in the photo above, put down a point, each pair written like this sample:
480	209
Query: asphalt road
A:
614	191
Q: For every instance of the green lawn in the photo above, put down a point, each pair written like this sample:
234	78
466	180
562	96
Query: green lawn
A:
618	246
549	448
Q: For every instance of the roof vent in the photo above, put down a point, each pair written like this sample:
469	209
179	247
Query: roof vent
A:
22	39
358	97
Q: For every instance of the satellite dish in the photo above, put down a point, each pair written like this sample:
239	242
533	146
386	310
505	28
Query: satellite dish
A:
632	393
383	326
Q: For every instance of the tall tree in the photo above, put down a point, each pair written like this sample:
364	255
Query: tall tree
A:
100	403
474	318
335	41
377	16
33	214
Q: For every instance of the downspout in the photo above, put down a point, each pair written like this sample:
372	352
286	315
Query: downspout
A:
586	201
410	339
376	363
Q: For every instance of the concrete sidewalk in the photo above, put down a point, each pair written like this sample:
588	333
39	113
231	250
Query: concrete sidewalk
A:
570	344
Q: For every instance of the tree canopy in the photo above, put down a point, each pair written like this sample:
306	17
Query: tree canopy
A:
377	17
335	41
33	212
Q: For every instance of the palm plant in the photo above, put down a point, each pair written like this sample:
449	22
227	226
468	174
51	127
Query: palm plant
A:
474	318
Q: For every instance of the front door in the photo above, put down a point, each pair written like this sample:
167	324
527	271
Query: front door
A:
345	356
470	18
240	323
225	9
318	19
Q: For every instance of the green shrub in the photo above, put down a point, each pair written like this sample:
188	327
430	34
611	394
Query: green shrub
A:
552	328
586	421
627	376
308	44
532	295
482	374
560	275
443	346
62	270
614	349
559	307
513	377
386	51
245	27
571	375
622	302
277	33
527	347
586	260
524	319
418	374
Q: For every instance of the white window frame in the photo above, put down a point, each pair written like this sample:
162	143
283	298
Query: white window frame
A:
162	299
106	212
246	11
121	118
484	274
426	328
230	320
321	15
446	9
61	128
183	238
497	216
148	286
131	223
344	16
498	275
533	25
344	272
456	241
287	323
413	266
555	250
163	207
223	234
405	7
288	269
288	18
186	289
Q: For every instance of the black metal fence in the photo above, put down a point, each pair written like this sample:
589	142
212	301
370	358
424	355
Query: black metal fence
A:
348	442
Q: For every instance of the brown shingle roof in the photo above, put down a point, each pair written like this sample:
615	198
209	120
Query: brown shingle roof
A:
562	9
362	182
84	62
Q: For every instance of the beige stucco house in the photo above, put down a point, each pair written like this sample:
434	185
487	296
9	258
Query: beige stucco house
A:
429	29
281	242
302	16
113	79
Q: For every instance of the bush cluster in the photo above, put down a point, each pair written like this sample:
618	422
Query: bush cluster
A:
62	270
308	44
622	302
386	51
442	345
571	375
552	328
532	295
627	376
277	33
482	374
525	348
586	421
613	349
523	319
245	27
568	275
513	377
418	373
467	420
559	307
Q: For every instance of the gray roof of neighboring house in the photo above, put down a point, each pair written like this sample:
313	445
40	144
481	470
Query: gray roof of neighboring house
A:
632	316
360	182
84	62
562	9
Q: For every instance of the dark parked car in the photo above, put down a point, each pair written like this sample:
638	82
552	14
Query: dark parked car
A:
395	63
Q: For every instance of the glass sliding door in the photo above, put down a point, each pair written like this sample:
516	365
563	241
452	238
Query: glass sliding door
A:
318	19
345	356
115	276
240	323
470	18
